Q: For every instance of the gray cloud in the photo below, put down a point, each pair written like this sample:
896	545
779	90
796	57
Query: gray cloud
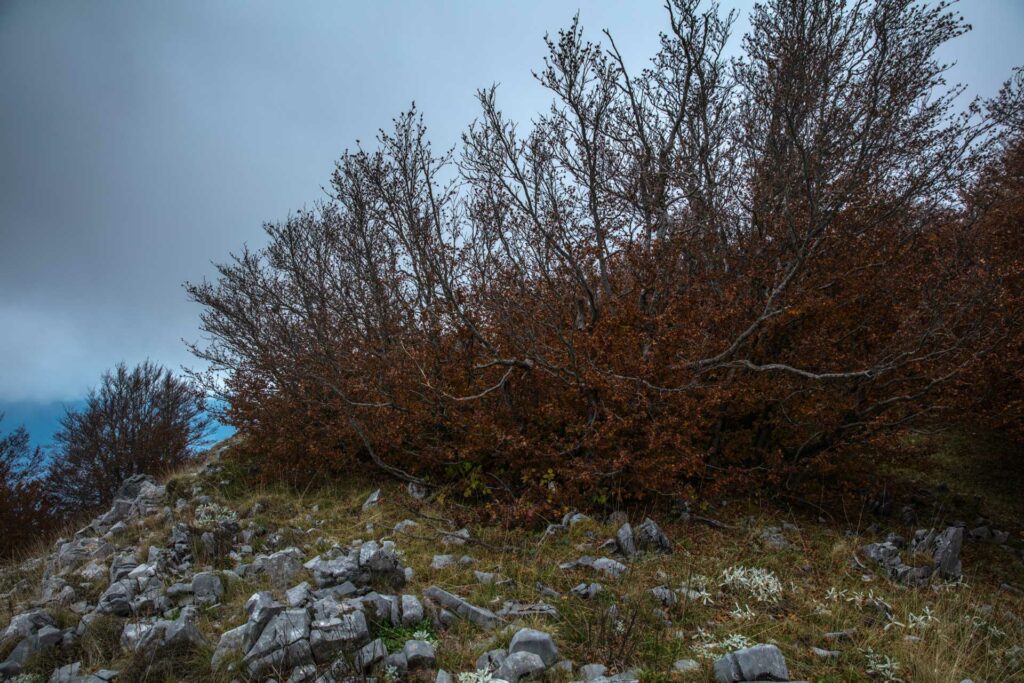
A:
141	140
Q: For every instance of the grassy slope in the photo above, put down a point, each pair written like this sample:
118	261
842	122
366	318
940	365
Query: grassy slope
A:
966	630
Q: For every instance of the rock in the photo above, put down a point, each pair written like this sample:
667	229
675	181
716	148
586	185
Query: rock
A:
339	634
476	615
773	538
417	491
571	519
947	553
370	655
537	642
26	624
116	599
602	564
405	525
625	541
491	660
825	654
328	573
67	673
592	671
261	608
665	595
547	591
297	596
412	610
840	636
586	590
443	677
442	562
649	536
419	655
398	665
282	567
686	666
512	609
207	588
455	538
231	642
519	665
17	659
757	663
372	500
283	644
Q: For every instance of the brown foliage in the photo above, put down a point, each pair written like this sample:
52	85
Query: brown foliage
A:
701	273
24	505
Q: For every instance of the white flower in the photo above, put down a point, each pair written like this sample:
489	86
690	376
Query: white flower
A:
760	584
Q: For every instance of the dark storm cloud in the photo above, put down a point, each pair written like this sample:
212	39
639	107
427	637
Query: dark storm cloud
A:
141	140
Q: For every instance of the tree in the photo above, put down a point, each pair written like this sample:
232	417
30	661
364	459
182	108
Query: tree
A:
25	510
142	420
704	271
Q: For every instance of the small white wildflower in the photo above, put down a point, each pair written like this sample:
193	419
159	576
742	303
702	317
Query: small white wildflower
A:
742	613
761	584
481	676
882	666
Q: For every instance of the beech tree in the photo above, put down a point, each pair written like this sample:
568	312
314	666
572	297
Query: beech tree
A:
24	505
139	420
708	270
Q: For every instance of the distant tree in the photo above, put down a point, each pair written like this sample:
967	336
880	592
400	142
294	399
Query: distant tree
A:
24	506
140	420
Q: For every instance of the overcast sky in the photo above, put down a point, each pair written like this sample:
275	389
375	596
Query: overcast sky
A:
139	141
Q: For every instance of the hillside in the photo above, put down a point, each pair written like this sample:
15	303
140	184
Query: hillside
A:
210	577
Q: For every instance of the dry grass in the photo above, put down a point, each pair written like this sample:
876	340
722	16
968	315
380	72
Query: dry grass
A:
942	633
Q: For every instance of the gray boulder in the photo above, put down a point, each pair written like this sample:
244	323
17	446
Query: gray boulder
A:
537	642
757	663
518	666
419	655
339	634
412	610
476	615
649	536
231	642
207	588
283	644
947	553
625	541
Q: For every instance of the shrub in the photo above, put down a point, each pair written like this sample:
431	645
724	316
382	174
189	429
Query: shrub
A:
700	274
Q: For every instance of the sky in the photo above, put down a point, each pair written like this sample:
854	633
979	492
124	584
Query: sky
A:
142	141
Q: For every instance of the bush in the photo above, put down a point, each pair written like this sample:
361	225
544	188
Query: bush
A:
142	420
704	273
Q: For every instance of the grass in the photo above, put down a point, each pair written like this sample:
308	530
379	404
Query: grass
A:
745	592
